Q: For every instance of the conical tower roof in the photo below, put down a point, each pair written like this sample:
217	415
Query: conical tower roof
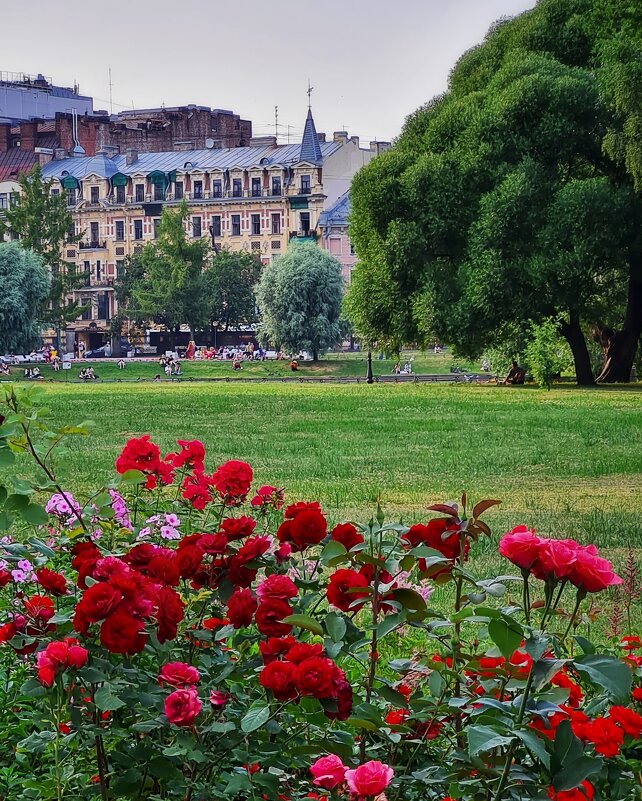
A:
310	147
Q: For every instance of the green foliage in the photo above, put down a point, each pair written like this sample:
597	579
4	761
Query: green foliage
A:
42	222
25	285
546	353
513	197
230	283
299	296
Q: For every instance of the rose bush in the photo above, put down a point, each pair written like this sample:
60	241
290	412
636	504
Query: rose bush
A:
178	635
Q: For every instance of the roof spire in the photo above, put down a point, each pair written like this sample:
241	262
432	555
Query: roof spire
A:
310	147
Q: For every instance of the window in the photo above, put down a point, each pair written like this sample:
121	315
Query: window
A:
120	268
196	227
156	224
305	222
93	227
120	230
103	306
178	190
215	227
256	187
138	229
86	268
198	190
237	187
217	189
256	224
276	223
276	187
95	195
71	231
236	225
120	194
98	271
159	192
71	197
305	184
87	312
140	193
275	244
54	192
256	246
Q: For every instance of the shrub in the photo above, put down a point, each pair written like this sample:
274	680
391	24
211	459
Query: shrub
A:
183	635
547	354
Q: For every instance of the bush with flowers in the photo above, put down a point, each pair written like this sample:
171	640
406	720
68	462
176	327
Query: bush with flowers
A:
184	634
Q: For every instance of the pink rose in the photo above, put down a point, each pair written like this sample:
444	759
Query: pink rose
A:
590	572
521	546
178	674
369	779
328	772
218	699
556	559
277	586
182	707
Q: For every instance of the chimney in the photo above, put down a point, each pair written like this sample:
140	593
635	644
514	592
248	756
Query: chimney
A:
131	156
379	147
321	137
355	140
5	131
45	155
28	134
341	137
263	141
59	154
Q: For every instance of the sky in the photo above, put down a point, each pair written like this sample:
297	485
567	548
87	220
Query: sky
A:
370	62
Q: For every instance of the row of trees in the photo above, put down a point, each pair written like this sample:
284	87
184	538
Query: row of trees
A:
515	196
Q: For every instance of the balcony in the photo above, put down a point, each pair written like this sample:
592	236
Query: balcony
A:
92	245
304	236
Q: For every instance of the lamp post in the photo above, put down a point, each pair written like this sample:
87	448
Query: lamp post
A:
369	376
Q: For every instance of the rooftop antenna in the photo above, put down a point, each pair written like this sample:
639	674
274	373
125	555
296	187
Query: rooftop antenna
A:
276	123
111	104
289	126
310	90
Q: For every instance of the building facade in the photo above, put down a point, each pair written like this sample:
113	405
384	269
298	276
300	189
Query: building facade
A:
255	199
333	235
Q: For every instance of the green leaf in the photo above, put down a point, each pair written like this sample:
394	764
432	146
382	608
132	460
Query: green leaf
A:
105	699
545	669
36	742
254	718
395	697
506	633
304	622
390	622
132	477
485	738
333	550
335	625
17	502
7	457
35	514
607	672
535	745
572	774
411	601
362	723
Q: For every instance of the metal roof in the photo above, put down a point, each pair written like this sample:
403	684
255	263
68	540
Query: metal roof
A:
310	146
223	159
337	214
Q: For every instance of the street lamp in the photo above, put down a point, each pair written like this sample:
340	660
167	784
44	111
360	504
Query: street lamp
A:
369	376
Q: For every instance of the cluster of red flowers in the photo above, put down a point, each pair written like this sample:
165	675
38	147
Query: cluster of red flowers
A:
183	705
442	534
57	657
585	792
125	594
142	454
295	669
558	560
30	623
304	525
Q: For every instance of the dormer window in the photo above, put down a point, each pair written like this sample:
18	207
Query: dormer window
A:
237	187
256	187
188	165
305	185
94	195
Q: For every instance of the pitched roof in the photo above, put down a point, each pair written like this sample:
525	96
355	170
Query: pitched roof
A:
337	214
310	146
14	162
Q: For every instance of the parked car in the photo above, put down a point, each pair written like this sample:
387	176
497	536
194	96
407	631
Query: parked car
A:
98	353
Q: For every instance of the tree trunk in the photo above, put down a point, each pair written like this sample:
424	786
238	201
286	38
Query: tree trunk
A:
619	347
573	334
315	355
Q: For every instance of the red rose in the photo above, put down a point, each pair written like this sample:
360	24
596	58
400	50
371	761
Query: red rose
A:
293	509
314	677
240	608
195	490
169	613
165	569
85	556
584	792
252	549
279	678
192	454
232	481
268	496
178	674
555	559
590	572
214	544
182	707
40	609
277	586
140	555
274	647
603	733
301	651
521	546
5	578
53	582
235	528
122	634
628	720
239	575
269	615
344	590
308	527
77	655
188	560
342	692
435	535
98	601
347	535
139	454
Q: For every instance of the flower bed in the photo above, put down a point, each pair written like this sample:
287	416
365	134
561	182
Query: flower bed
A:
185	635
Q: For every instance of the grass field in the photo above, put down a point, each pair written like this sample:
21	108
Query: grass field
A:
567	461
337	365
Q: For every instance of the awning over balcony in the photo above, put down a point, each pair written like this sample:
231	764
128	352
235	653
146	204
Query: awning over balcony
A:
69	182
158	178
298	202
119	179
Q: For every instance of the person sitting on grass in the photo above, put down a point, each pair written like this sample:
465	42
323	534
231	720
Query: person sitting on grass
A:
236	365
397	368
4	369
35	374
294	365
91	375
516	374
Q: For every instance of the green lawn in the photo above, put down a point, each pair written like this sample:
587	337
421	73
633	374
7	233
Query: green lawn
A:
567	461
338	365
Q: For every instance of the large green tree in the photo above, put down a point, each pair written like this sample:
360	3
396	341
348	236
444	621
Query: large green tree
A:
515	196
229	283
166	282
43	223
299	296
25	284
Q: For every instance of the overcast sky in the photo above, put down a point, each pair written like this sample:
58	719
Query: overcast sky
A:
371	62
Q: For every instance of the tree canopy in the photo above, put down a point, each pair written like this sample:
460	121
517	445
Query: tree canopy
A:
515	196
25	285
299	296
230	283
44	224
